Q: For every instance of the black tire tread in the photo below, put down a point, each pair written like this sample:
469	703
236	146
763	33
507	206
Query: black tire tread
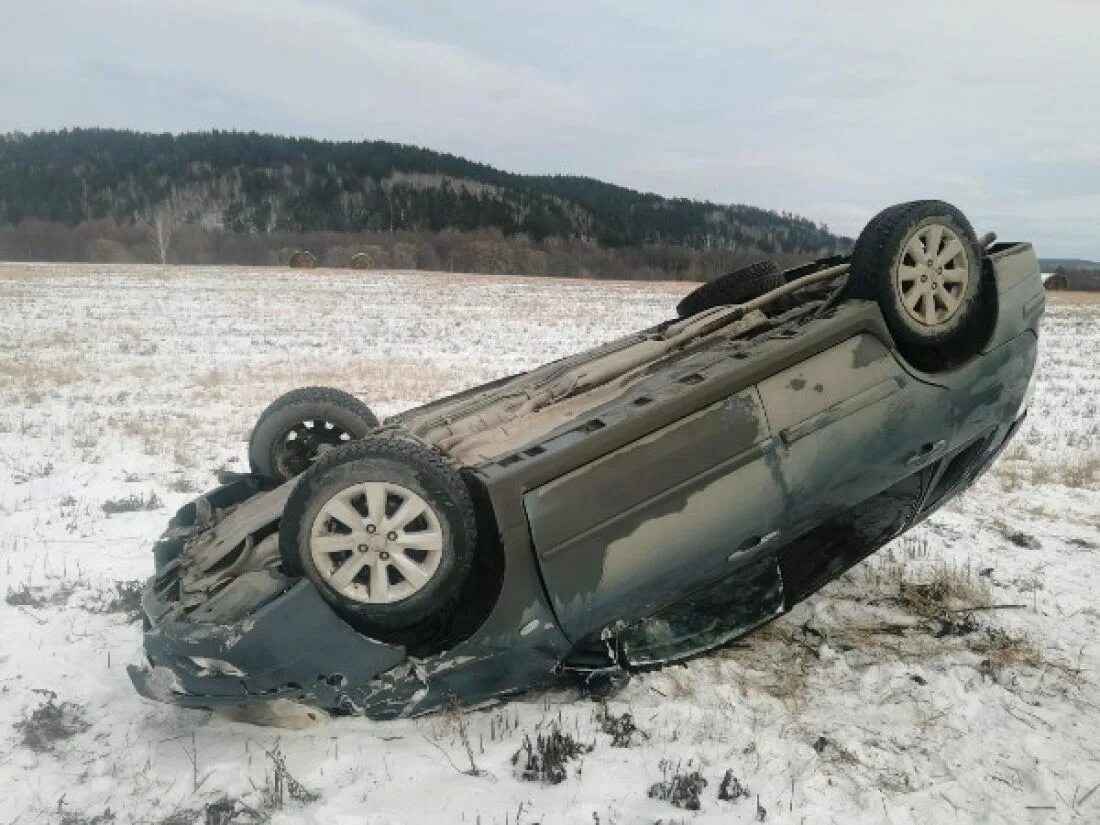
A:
319	395
259	454
736	287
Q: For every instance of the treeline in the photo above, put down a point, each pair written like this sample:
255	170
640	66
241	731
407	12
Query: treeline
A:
484	250
274	190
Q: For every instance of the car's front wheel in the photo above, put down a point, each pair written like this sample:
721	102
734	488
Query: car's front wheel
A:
384	528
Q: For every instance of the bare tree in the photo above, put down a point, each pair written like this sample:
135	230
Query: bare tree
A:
161	228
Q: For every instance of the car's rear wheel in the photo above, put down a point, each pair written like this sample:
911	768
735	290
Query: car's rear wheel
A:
384	528
921	263
301	425
737	287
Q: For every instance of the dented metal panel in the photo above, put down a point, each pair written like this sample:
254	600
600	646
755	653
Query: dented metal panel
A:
284	646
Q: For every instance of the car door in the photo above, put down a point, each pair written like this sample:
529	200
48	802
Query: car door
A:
849	423
630	532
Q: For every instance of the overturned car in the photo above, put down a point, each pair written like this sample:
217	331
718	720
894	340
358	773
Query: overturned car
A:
621	509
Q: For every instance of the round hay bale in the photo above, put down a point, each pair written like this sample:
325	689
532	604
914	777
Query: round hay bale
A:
361	260
303	259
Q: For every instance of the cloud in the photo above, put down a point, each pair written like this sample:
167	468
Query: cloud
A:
831	109
290	65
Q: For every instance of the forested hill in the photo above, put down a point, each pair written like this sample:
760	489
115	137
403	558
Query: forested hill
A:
252	184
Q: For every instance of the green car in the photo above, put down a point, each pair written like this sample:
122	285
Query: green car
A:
627	507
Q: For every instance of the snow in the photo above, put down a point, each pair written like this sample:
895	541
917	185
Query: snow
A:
864	705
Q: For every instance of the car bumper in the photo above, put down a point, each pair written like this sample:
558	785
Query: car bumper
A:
293	647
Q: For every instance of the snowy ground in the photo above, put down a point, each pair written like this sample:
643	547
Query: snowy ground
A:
885	698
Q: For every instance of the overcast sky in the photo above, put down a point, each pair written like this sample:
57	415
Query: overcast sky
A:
829	109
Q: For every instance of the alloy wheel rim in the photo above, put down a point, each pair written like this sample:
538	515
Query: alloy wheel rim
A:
376	542
932	275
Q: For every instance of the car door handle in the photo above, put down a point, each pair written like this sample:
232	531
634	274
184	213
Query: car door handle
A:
925	452
755	543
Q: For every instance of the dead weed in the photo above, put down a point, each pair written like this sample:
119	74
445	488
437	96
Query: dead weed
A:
678	786
546	759
51	723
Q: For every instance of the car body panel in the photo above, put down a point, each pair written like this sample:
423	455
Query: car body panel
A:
851	422
641	502
662	514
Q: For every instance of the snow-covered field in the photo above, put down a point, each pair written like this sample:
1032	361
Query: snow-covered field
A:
951	678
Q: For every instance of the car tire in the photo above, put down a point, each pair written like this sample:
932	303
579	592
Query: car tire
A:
346	527
301	425
737	287
921	263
